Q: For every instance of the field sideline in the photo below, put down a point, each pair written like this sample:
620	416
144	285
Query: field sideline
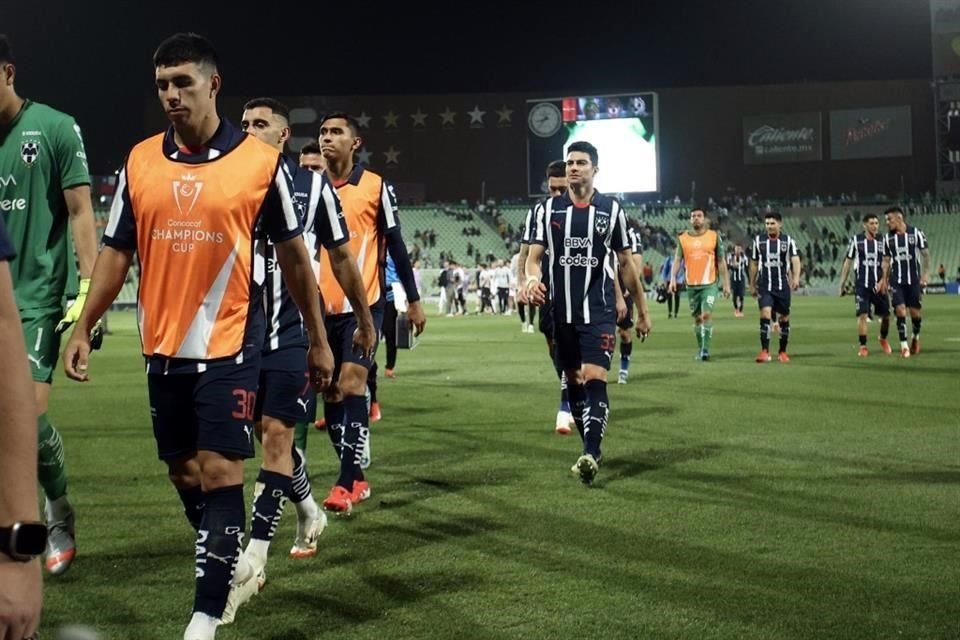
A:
816	499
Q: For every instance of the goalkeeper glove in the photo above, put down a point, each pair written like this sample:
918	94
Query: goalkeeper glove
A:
73	314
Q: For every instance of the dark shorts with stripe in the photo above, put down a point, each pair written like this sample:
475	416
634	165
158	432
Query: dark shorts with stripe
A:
779	301
578	344
908	295
212	411
340	329
627	322
867	298
285	392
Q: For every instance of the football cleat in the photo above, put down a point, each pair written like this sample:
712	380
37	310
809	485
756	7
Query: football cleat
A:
564	420
375	414
885	345
905	352
320	424
240	594
863	352
915	345
390	373
308	531
339	501
783	357
361	491
703	356
587	468
61	543
622	378
764	356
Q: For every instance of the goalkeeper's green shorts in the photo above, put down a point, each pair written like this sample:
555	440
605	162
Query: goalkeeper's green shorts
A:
42	341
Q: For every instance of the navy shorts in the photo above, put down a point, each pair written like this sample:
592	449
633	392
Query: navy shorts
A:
340	330
213	410
907	295
778	300
867	298
546	319
736	288
578	344
627	322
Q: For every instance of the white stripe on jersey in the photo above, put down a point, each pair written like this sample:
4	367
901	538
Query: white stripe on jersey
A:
543	233
591	214
330	202
567	292
286	200
116	207
388	213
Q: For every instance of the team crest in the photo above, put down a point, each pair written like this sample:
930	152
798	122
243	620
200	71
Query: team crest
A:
186	191
602	223
29	151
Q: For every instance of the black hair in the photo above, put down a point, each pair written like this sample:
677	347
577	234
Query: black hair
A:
310	147
352	122
276	106
699	208
6	51
557	169
894	209
585	147
775	215
870	216
185	47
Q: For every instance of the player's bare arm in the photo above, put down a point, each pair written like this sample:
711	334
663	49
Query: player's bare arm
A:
109	274
795	276
925	264
844	272
631	278
522	272
83	227
620	302
535	290
345	270
302	285
674	269
753	278
725	277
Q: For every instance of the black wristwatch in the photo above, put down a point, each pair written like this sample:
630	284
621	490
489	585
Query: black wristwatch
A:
23	541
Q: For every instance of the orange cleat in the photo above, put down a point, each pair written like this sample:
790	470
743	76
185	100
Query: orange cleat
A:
783	357
885	345
915	345
863	352
339	501
361	491
390	373
763	356
375	412
905	352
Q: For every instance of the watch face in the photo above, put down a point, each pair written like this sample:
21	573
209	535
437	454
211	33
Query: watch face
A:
28	539
544	119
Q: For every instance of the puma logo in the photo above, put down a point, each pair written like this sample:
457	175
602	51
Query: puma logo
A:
303	403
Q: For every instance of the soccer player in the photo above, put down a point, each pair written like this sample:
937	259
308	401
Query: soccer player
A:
556	186
311	158
737	262
44	185
775	260
370	210
906	266
866	253
701	251
284	402
20	583
580	228
193	200
625	324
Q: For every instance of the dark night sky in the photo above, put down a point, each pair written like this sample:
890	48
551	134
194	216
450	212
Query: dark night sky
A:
92	59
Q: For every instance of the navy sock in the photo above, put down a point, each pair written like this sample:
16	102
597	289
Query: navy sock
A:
863	340
270	497
784	334
764	334
564	392
372	382
192	499
626	350
902	328
916	327
578	405
333	416
300	483
595	424
218	546
355	433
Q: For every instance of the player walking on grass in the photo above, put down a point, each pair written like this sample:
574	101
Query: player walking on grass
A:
866	253
579	229
701	251
737	262
193	202
44	184
370	211
774	273
906	267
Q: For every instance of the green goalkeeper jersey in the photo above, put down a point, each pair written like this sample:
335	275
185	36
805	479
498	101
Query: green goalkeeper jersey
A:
41	154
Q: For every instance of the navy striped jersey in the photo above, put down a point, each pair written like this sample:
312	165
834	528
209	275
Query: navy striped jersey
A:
867	256
737	266
528	226
579	240
772	256
318	208
904	249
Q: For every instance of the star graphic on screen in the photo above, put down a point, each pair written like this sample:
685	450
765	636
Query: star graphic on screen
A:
363	120
392	155
476	116
363	157
447	116
504	114
419	118
390	120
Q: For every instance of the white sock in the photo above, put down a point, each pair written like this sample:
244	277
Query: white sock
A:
201	625
307	509
257	551
243	571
